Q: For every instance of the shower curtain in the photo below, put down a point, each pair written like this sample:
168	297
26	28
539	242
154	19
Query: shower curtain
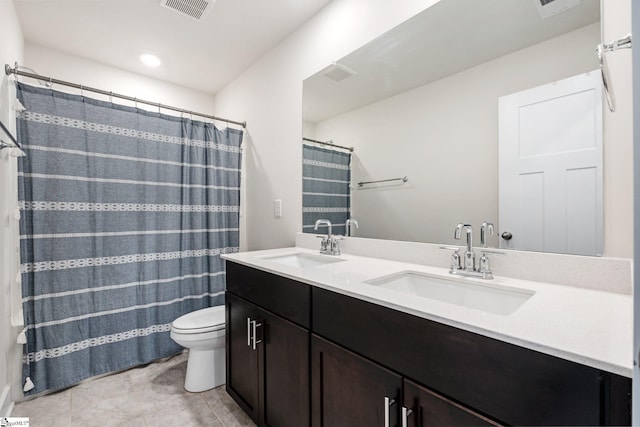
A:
124	216
326	194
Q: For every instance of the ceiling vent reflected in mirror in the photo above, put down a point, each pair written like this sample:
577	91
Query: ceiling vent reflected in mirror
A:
194	9
338	73
548	8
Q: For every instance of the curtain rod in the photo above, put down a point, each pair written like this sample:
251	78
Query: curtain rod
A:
327	143
8	71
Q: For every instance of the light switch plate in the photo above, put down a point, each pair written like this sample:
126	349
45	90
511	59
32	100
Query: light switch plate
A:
277	208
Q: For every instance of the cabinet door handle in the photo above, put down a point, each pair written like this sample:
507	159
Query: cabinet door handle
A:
248	331
388	402
254	327
405	416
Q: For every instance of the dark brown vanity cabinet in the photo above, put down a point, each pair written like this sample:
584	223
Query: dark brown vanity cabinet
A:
326	359
267	354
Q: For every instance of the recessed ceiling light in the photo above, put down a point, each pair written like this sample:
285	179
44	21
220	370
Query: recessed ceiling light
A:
150	60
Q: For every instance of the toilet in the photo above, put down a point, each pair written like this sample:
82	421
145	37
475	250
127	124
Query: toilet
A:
203	333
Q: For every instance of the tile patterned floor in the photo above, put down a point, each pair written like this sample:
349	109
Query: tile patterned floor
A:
152	395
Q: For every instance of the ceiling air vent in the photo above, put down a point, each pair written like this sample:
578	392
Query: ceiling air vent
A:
338	73
194	9
548	8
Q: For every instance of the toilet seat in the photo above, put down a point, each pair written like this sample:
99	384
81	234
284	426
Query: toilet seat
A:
200	321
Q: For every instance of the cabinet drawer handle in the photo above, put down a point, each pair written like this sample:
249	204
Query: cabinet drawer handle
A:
388	402
405	416
254	327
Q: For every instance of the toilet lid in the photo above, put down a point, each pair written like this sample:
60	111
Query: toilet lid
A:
211	318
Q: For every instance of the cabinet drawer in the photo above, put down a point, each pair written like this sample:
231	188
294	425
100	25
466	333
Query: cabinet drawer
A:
285	297
513	384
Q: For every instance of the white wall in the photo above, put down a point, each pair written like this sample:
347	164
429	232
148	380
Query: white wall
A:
11	50
444	137
618	135
62	66
269	97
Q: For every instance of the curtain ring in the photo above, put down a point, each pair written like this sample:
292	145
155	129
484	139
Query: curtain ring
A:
159	106
82	91
111	97
50	83
135	100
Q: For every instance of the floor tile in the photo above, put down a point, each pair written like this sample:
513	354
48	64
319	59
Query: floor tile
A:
186	410
51	410
149	395
225	408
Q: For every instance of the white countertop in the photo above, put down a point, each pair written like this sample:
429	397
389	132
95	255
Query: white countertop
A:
590	327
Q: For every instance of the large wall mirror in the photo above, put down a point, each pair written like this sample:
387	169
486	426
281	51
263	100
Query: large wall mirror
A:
422	102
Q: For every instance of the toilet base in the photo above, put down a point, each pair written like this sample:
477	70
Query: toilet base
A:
205	370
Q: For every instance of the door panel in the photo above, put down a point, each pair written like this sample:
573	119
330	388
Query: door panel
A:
550	160
242	360
285	354
349	390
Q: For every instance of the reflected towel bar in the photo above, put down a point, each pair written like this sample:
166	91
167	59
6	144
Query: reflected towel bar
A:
403	179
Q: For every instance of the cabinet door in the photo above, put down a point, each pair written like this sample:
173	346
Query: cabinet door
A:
350	391
284	365
242	359
430	409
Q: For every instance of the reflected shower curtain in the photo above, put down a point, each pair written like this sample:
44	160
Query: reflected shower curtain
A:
326	192
124	216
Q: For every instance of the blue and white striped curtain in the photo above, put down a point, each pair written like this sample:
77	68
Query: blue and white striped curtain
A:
326	192
125	215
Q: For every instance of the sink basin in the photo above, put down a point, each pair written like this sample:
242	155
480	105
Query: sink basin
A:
490	298
302	260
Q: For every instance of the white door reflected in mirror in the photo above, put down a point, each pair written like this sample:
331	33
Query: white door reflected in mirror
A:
550	160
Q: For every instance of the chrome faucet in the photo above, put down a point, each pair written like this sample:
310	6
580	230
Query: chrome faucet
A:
329	244
349	226
469	255
468	266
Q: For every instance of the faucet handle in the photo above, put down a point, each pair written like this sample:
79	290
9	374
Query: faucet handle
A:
484	251
335	245
485	265
456	261
324	244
